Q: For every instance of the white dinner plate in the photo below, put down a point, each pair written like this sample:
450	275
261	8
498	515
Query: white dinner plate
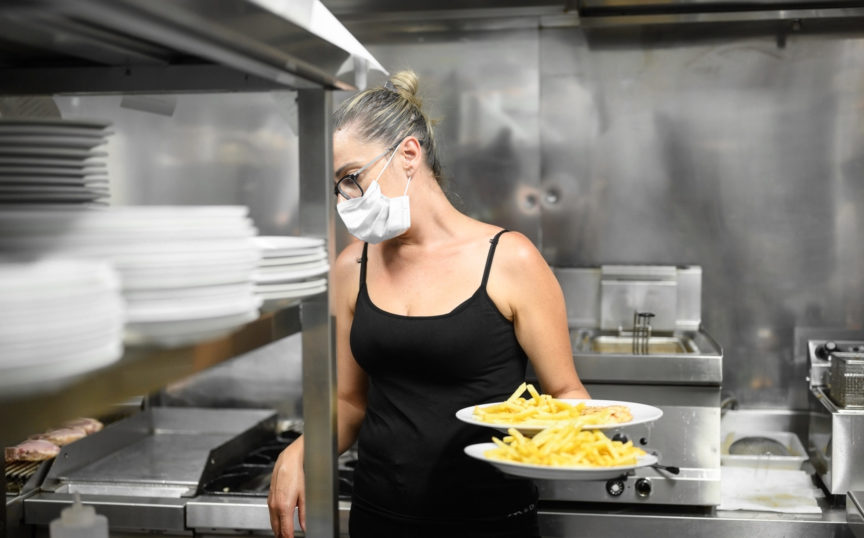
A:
43	180
51	376
55	123
51	278
117	250
48	197
297	294
159	311
114	221
276	246
291	275
42	141
289	268
137	281
186	332
293	260
47	130
642	413
173	260
290	287
547	472
48	171
42	189
49	162
193	293
38	352
59	153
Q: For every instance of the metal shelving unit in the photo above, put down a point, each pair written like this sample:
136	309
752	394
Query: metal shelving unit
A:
142	370
129	46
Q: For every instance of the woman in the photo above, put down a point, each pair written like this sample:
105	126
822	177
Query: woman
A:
435	311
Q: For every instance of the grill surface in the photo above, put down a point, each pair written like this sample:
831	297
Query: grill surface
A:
18	473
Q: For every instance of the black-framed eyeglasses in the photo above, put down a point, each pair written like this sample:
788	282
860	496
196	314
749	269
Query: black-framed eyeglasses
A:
347	185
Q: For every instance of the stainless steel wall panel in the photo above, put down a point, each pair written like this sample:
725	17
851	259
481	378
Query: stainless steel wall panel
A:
487	103
722	149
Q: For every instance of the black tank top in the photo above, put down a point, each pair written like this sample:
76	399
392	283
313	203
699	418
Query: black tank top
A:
421	370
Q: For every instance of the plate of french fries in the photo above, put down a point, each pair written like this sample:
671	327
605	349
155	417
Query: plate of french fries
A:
562	452
539	411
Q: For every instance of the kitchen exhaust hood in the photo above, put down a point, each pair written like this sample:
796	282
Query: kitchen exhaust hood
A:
647	11
139	45
590	12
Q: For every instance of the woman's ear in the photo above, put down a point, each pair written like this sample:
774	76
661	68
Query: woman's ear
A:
412	155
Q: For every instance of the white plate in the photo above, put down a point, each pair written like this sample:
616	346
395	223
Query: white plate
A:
293	260
52	277
48	171
287	242
157	281
117	250
46	130
286	246
58	153
43	180
48	197
287	269
45	189
198	308
181	259
297	294
50	162
546	472
48	352
290	276
181	294
55	123
641	414
186	332
49	376
290	287
50	141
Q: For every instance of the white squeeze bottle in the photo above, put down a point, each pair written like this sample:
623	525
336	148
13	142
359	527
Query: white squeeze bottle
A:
79	521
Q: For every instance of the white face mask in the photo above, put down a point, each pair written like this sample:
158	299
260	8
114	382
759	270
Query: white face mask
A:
374	217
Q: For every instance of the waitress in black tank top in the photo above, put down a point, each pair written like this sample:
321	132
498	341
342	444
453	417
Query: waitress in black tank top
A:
435	311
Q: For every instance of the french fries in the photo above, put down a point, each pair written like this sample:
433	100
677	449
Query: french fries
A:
542	410
565	445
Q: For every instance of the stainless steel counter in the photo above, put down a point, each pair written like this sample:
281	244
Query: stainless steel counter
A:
855	512
595	520
216	516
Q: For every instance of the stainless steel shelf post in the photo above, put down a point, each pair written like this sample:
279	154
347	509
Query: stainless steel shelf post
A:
319	354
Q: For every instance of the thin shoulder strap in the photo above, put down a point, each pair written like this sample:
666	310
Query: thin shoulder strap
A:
362	260
494	244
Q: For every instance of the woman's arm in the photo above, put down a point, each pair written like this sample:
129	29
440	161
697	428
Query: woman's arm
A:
525	289
287	488
352	381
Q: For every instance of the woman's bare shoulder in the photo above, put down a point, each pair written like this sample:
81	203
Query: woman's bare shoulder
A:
348	259
345	277
515	248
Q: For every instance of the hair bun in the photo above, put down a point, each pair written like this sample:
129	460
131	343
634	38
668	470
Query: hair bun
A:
405	83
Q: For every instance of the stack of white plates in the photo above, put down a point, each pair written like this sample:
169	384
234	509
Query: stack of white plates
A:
290	268
58	319
50	162
186	272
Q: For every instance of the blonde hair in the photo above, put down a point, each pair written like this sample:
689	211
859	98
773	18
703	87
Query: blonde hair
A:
390	113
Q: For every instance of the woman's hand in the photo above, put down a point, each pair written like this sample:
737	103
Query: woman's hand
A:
287	491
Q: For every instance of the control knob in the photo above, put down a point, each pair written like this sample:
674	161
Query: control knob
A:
825	350
615	487
643	487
